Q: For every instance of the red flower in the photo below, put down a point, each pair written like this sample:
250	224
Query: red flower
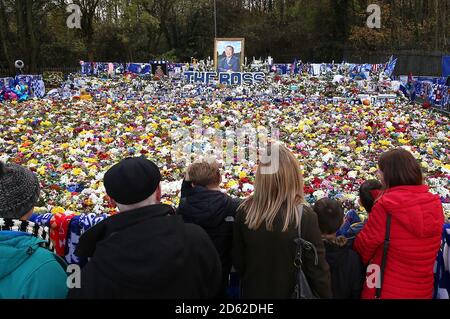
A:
245	180
317	182
55	187
309	190
103	156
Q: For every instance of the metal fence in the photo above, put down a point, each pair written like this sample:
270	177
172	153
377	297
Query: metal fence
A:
421	63
5	72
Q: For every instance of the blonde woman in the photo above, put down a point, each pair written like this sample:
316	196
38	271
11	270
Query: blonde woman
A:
265	230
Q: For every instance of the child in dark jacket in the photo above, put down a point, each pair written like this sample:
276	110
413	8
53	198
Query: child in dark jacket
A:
369	192
204	204
347	270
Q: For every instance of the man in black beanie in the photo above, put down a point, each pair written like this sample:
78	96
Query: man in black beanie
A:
145	251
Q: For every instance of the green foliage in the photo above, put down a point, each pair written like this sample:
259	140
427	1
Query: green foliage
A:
138	30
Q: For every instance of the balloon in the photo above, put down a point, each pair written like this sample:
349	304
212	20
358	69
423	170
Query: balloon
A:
19	64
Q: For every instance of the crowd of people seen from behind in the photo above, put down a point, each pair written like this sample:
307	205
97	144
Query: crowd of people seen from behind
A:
152	251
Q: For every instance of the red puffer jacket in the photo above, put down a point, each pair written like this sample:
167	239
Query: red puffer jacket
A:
416	229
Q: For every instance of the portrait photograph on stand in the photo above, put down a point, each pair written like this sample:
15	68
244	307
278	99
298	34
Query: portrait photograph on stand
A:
229	54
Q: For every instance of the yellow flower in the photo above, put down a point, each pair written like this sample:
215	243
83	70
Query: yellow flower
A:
242	175
403	141
58	210
33	162
231	184
359	150
41	170
46	123
89	160
20	121
65	145
385	143
77	171
95	185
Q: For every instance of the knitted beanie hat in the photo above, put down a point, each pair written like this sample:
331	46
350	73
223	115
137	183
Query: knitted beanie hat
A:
19	191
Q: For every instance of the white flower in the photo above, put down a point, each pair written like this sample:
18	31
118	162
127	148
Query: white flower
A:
319	194
441	136
4	158
170	188
99	176
352	174
247	187
327	157
95	199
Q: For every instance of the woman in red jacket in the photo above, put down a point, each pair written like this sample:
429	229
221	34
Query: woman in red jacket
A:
417	219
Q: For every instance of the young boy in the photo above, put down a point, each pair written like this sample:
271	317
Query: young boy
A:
369	192
347	270
203	203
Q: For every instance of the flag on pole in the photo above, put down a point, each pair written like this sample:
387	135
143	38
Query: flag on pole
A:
390	67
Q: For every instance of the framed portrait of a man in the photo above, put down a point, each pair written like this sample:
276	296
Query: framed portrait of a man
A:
229	54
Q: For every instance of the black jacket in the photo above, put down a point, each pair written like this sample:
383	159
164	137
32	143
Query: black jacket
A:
215	212
148	253
347	270
265	259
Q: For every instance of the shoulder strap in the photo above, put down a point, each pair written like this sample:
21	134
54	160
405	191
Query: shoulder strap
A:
298	261
385	251
300	215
